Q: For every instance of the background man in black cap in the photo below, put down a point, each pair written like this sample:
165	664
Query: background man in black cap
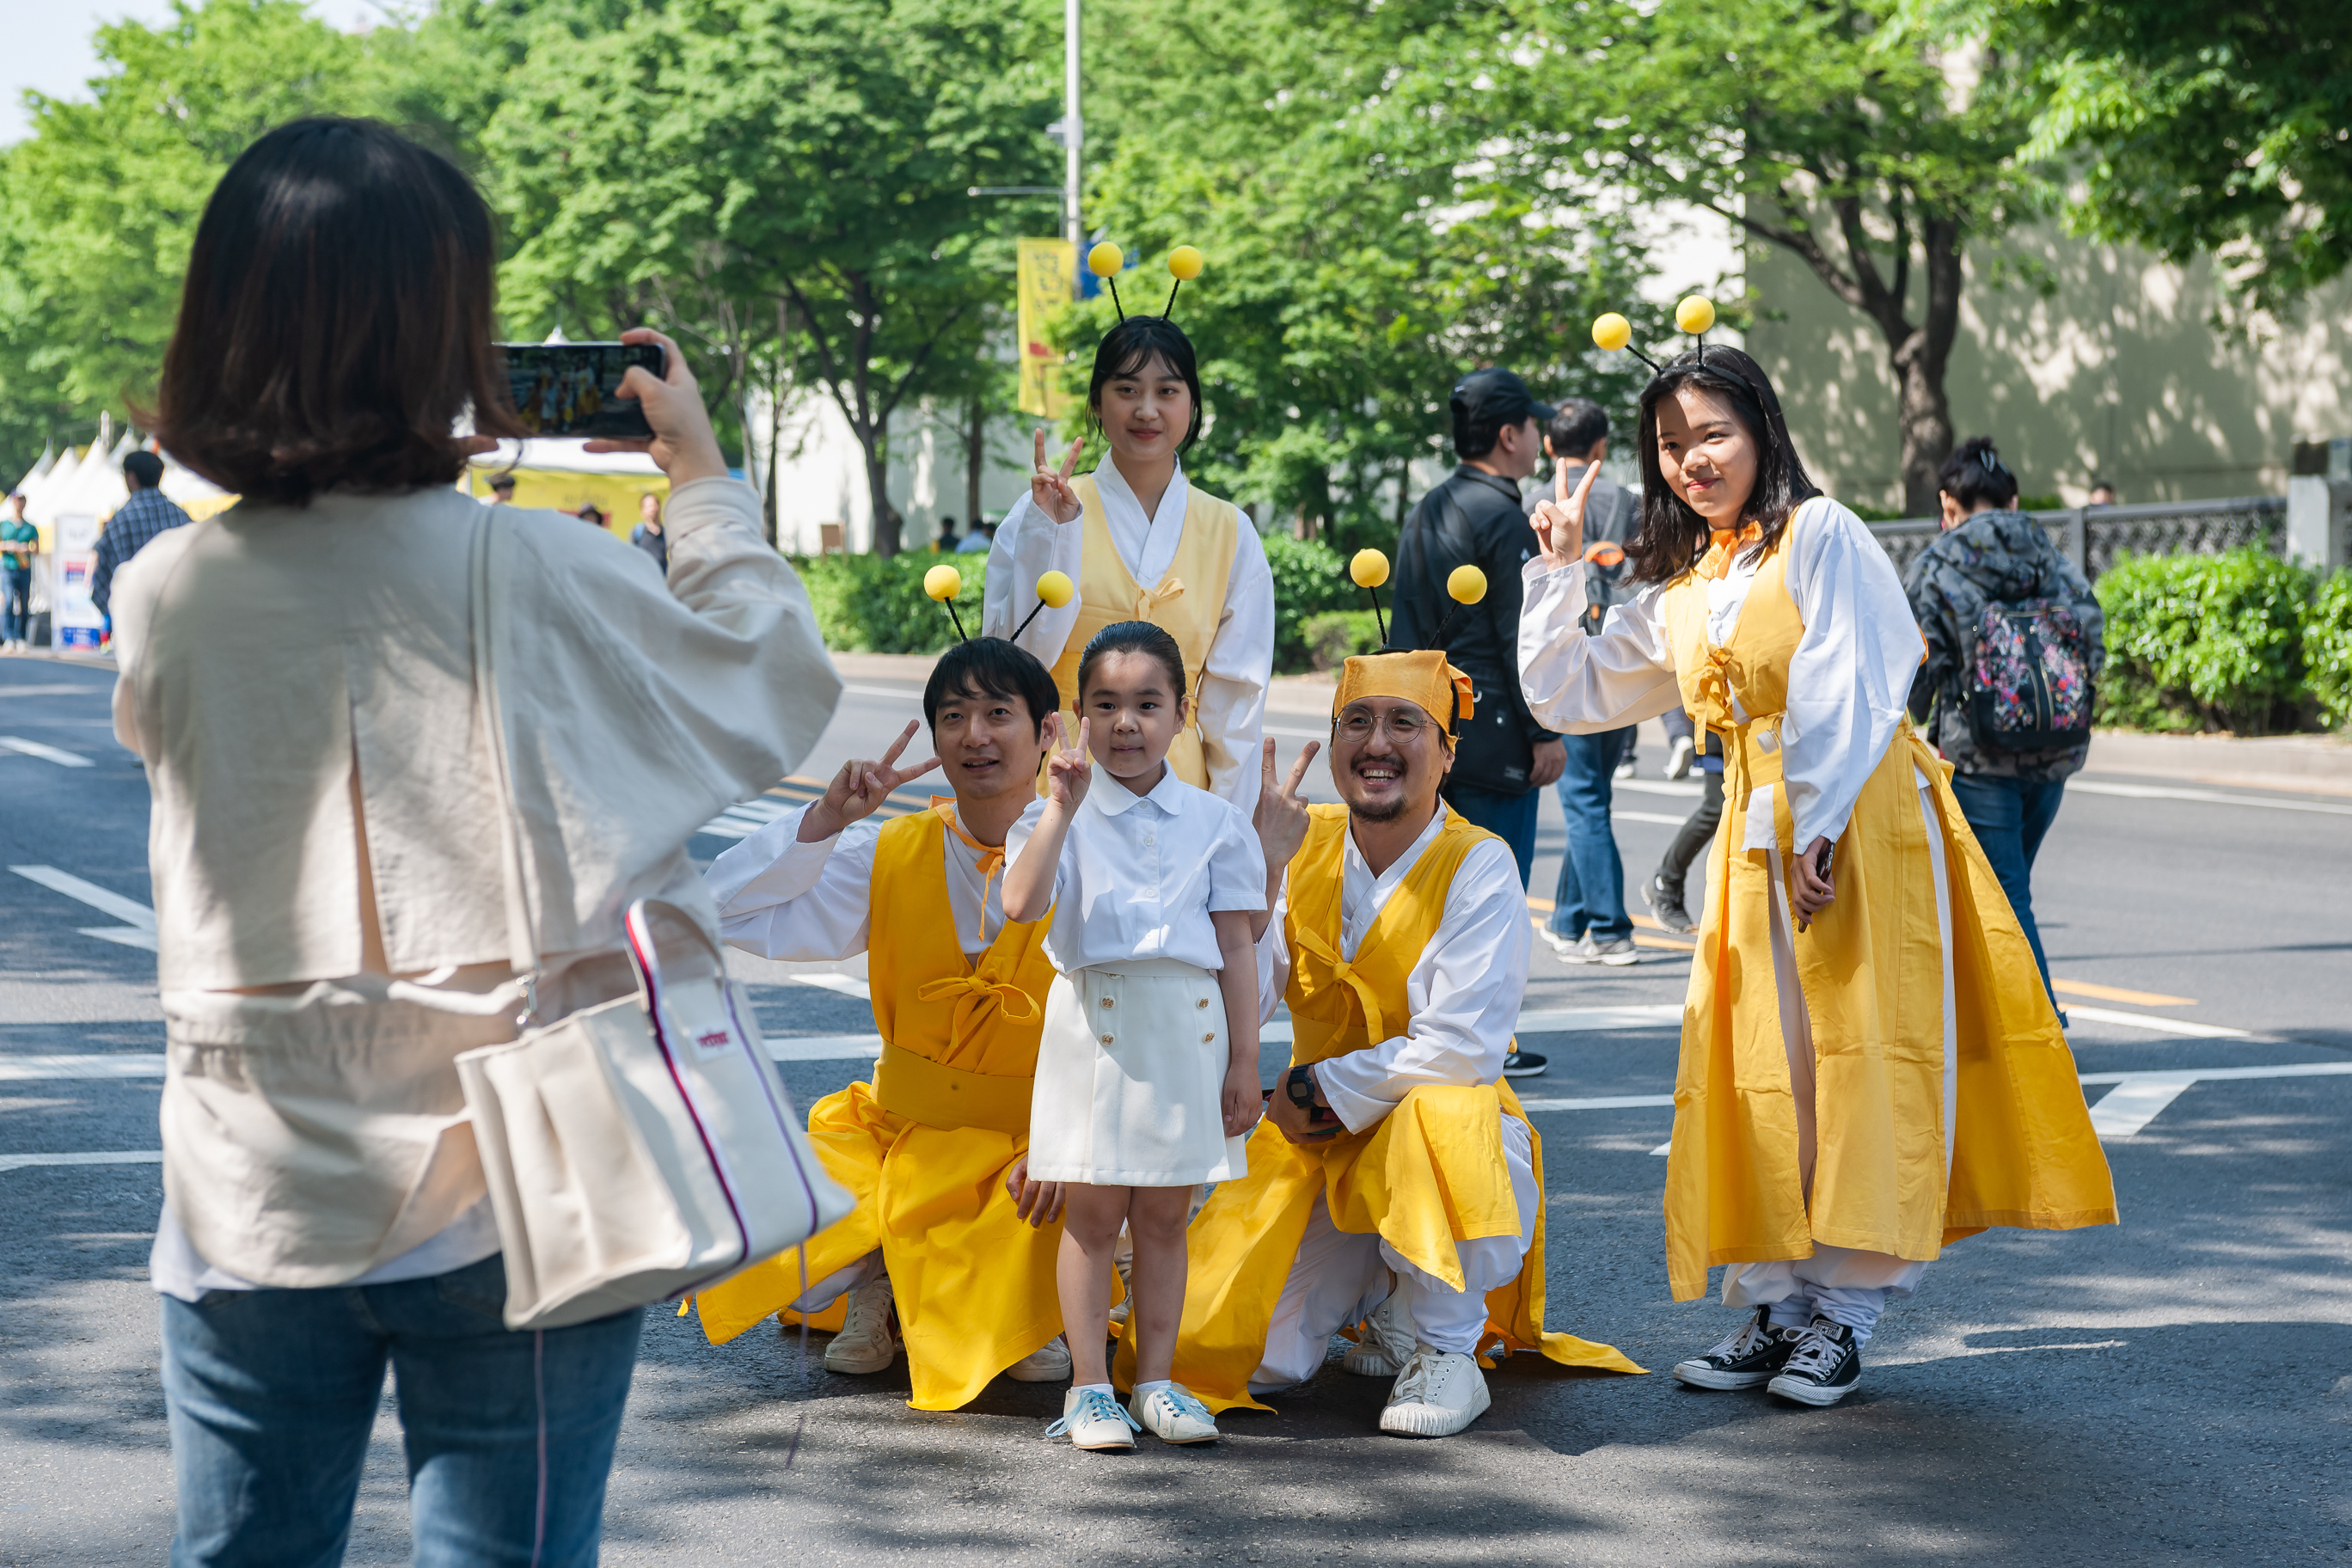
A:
1503	756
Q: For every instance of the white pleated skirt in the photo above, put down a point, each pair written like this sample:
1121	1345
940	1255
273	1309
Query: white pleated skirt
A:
1130	1072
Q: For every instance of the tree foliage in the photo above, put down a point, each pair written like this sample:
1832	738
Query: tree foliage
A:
2203	127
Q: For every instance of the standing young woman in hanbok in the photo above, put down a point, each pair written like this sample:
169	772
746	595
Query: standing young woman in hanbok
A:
1144	543
1870	1066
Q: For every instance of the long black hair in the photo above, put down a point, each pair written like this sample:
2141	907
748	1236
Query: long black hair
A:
1132	345
1672	536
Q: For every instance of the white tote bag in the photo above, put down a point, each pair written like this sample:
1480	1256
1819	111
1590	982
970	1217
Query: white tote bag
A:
645	1148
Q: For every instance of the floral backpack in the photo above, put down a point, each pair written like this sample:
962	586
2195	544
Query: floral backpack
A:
2028	687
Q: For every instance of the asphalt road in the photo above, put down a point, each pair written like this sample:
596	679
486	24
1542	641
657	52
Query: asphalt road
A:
2174	1390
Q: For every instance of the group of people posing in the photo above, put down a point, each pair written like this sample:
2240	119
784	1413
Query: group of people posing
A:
363	870
1074	953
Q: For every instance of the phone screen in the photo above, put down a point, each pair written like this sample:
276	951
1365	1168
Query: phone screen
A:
572	389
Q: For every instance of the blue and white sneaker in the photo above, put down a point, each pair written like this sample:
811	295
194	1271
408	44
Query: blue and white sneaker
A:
1091	1418
1171	1413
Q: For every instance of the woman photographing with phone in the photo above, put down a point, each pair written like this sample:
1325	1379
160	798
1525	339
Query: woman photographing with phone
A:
1870	1067
347	883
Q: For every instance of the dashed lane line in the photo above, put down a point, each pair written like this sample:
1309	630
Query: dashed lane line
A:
102	1157
2212	797
63	758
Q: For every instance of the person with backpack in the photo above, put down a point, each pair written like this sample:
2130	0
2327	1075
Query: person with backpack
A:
2015	640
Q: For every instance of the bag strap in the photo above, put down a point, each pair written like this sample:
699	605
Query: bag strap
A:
522	934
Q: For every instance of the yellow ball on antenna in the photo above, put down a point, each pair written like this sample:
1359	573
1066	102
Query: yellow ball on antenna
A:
1695	314
1104	259
1612	331
1465	584
1369	569
1055	589
1184	263
943	583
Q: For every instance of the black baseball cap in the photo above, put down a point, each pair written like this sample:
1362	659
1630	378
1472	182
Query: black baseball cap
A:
1495	397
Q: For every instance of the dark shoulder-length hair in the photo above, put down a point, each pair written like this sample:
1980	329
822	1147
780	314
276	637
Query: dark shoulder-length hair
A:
335	326
1131	345
1672	536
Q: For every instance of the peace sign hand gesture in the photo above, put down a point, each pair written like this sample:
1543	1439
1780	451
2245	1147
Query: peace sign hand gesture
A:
1559	521
1067	774
1281	816
1049	489
858	790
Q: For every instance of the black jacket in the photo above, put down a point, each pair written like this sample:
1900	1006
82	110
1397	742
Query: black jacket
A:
1472	517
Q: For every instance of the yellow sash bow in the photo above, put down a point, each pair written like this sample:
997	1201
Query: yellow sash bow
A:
991	858
1344	972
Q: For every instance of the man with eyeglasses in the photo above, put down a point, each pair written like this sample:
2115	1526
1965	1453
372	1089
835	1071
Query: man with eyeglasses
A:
1394	1182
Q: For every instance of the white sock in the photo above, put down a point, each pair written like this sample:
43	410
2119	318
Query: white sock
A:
1105	1387
1143	1390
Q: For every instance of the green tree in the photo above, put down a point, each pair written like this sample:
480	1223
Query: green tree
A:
1848	134
793	172
1361	255
2203	127
103	197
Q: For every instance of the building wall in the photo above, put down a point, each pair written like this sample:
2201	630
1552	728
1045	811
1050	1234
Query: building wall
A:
2120	374
821	475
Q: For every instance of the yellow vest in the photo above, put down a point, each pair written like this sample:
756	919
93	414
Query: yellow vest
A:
1429	1175
1187	604
925	1146
2023	1150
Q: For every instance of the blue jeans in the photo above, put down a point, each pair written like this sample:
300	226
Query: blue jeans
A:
509	1436
1592	894
2008	817
1509	817
16	604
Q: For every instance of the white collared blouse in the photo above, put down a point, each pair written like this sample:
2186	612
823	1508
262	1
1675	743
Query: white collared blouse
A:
1140	874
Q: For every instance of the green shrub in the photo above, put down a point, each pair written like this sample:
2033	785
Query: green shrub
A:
1336	636
2204	642
2328	649
1309	580
873	604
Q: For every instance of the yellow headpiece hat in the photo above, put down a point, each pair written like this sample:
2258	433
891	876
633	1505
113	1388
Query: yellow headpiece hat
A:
1424	677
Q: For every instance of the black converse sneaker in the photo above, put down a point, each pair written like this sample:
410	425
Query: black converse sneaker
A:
1824	1367
1746	1358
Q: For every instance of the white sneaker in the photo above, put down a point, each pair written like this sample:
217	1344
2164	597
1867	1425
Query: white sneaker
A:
1093	1419
1049	1363
868	1341
1387	1342
1436	1395
1173	1414
1679	756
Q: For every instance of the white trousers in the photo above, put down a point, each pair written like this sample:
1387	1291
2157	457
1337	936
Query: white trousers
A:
1842	1284
1338	1277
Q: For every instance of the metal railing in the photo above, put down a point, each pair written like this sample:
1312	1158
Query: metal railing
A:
2093	536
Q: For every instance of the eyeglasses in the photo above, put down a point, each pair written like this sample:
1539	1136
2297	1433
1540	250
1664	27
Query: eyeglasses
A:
1403	726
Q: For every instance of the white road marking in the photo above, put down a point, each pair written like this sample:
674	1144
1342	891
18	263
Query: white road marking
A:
138	928
915	696
46	753
2212	797
2132	1104
1657	816
2158	1022
1604	1102
110	1157
1662	1151
1661	786
110	1064
845	985
746	818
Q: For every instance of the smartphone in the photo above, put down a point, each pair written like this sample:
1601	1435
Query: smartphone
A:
573	389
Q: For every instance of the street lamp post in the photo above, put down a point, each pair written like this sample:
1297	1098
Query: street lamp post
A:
1072	127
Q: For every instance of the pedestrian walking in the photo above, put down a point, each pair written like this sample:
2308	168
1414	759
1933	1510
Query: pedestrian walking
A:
2015	639
1850	918
978	540
1588	923
648	535
1663	892
19	543
1147	1071
332	876
1472	517
134	524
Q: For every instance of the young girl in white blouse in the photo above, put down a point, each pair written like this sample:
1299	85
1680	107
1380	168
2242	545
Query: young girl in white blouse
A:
1147	1075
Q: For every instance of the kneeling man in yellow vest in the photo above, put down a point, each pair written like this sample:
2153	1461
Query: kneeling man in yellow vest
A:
935	1251
1394	1184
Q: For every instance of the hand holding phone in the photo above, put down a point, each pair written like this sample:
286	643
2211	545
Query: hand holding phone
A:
562	390
1812	888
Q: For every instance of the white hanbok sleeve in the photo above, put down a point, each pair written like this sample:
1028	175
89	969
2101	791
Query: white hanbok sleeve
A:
1851	676
1465	994
1274	956
1230	688
1028	545
782	898
1578	683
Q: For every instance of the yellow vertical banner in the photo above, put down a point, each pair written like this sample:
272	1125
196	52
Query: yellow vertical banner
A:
1049	272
